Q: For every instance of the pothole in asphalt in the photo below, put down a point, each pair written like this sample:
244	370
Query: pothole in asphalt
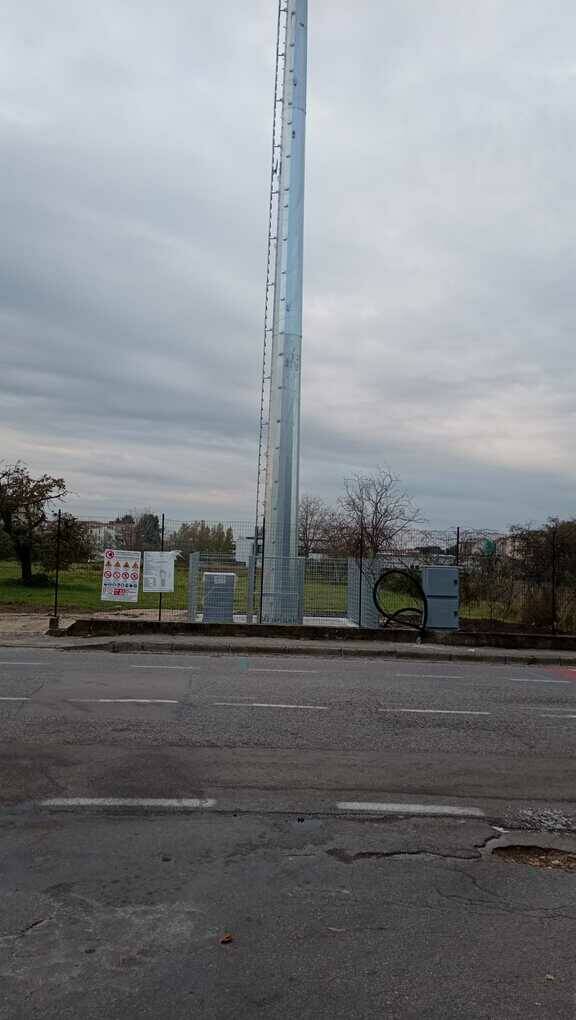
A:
537	857
520	848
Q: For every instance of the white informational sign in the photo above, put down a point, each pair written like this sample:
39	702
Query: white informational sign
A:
159	571
120	575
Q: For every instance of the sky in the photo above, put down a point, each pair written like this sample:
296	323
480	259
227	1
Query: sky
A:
440	251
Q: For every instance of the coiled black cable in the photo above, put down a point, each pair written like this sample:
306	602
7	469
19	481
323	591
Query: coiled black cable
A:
389	618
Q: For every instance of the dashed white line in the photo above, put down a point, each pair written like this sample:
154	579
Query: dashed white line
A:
430	676
193	668
125	701
158	803
513	680
256	704
557	715
282	671
446	810
13	662
434	711
15	699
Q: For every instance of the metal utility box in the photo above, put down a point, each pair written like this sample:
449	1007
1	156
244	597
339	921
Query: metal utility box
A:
443	614
441	586
219	598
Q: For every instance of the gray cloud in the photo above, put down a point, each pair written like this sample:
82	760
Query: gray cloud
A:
440	251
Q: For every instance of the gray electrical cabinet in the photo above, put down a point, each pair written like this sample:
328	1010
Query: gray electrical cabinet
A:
441	587
219	591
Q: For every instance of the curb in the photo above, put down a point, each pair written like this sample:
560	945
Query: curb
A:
419	652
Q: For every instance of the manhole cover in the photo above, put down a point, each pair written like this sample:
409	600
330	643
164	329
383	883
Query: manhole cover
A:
537	857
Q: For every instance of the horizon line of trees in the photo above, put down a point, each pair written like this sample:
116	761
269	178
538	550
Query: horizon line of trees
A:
373	513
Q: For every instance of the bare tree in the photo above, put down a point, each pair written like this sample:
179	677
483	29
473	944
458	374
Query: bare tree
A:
337	537
312	517
374	511
24	502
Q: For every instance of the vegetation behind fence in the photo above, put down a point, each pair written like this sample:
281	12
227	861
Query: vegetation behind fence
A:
524	579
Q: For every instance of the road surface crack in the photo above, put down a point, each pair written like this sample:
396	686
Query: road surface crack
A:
29	927
349	857
493	902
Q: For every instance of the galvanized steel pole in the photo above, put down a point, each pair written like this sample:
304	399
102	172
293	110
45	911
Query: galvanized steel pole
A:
281	589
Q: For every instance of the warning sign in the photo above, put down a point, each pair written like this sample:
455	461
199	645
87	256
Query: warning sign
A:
120	585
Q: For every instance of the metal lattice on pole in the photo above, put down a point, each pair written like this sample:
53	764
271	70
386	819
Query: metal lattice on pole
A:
272	251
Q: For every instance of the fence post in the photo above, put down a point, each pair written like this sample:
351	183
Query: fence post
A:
251	580
54	621
361	574
554	576
161	550
457	557
262	571
193	568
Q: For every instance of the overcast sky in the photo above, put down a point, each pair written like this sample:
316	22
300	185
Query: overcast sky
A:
440	291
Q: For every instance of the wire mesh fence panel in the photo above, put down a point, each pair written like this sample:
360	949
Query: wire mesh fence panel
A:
220	582
282	591
491	586
325	589
522	580
81	581
221	548
126	534
565	578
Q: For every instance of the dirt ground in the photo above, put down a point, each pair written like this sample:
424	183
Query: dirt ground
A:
22	627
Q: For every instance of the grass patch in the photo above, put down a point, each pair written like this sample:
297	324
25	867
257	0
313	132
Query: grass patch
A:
80	587
80	592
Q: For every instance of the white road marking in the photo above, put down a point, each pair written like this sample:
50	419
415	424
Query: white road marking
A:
412	809
126	701
254	704
513	680
430	676
167	803
282	671
557	715
435	711
195	668
14	699
13	662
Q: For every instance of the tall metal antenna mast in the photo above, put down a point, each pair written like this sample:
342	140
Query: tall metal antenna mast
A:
279	446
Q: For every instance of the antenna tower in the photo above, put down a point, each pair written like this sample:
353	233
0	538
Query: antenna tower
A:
279	437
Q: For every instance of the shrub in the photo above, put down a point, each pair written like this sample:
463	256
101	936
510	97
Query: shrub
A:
538	610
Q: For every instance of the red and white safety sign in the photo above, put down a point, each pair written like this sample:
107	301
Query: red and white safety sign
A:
121	585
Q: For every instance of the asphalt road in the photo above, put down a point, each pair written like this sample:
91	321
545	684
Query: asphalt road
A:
335	818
